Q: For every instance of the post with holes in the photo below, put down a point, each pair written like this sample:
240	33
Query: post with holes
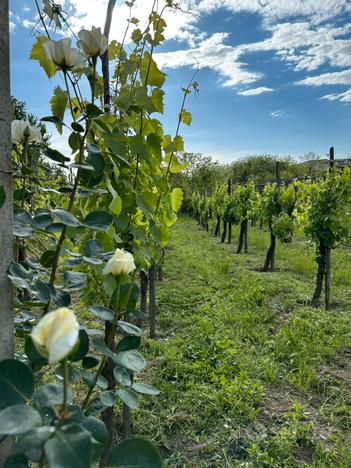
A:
6	237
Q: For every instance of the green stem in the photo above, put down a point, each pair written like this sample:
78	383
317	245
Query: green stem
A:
91	389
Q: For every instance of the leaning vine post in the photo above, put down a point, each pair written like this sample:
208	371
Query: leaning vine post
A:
6	237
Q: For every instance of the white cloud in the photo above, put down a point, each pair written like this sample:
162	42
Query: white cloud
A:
306	47
212	53
277	113
334	78
28	23
255	91
84	14
302	33
342	97
12	22
276	10
301	45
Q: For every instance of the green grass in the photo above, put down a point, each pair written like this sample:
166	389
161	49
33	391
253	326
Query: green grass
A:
249	375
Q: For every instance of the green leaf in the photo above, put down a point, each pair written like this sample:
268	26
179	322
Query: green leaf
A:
108	398
88	362
16	383
74	280
176	199
145	389
102	313
126	298
38	53
62	299
46	260
83	347
99	434
129	328
55	155
34	440
16	461
17	270
122	376
116	204
127	343
70	447
18	419
93	248
101	381
42	221
32	353
58	104
93	148
74	142
150	74
157	99
129	397
51	395
98	220
93	110
66	218
2	196
99	344
185	117
131	360
135	452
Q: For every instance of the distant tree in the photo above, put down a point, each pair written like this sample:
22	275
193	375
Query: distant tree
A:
201	174
261	169
311	160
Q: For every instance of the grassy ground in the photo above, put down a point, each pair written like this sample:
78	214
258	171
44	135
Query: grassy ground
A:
249	375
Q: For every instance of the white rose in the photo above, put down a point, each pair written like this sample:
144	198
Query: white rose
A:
121	263
20	129
56	334
62	54
93	43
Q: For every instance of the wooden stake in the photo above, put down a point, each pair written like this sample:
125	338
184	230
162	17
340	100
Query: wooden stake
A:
6	221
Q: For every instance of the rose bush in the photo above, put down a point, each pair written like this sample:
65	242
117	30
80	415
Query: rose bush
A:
114	193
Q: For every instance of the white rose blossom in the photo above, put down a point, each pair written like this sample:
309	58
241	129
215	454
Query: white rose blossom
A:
121	263
93	43
56	334
22	129
62	54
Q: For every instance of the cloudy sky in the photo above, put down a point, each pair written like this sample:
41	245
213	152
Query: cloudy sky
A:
274	75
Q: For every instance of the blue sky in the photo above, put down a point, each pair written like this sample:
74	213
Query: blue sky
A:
275	75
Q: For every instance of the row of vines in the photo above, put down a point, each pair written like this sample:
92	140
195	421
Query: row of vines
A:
89	230
320	208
